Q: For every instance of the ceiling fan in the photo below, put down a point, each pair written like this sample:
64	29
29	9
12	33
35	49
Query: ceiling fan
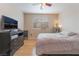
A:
42	5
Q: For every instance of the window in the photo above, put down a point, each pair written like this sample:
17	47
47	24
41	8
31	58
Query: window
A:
41	23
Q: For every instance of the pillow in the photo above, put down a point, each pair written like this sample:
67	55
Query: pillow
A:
65	32
72	34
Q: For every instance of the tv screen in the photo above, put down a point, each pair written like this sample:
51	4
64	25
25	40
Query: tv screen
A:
9	23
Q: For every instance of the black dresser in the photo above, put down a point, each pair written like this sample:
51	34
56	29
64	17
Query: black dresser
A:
10	42
4	43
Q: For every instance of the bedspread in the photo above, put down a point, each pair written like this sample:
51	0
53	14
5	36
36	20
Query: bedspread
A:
56	44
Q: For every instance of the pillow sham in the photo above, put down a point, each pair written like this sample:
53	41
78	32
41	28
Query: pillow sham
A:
72	34
64	32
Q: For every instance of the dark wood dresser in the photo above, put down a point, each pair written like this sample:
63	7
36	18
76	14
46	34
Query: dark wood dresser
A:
10	43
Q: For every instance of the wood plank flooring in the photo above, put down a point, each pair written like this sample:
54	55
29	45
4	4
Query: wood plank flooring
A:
26	49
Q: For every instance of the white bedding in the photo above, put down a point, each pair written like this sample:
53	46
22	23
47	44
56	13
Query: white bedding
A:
51	35
49	43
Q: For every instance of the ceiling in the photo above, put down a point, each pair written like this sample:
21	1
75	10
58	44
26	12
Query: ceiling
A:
55	8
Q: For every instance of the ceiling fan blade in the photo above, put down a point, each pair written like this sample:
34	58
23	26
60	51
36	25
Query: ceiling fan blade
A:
48	4
34	4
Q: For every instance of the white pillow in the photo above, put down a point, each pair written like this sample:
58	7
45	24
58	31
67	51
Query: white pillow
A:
72	34
65	32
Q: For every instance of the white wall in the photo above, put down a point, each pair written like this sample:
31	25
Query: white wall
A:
13	12
69	17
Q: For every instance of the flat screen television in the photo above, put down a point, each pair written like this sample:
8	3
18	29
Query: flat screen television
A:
9	23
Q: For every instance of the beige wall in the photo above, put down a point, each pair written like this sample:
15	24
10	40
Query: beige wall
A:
33	32
12	12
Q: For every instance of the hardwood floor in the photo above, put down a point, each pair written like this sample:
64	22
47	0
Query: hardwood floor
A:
26	49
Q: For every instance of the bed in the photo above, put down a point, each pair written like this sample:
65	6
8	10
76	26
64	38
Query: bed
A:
57	44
